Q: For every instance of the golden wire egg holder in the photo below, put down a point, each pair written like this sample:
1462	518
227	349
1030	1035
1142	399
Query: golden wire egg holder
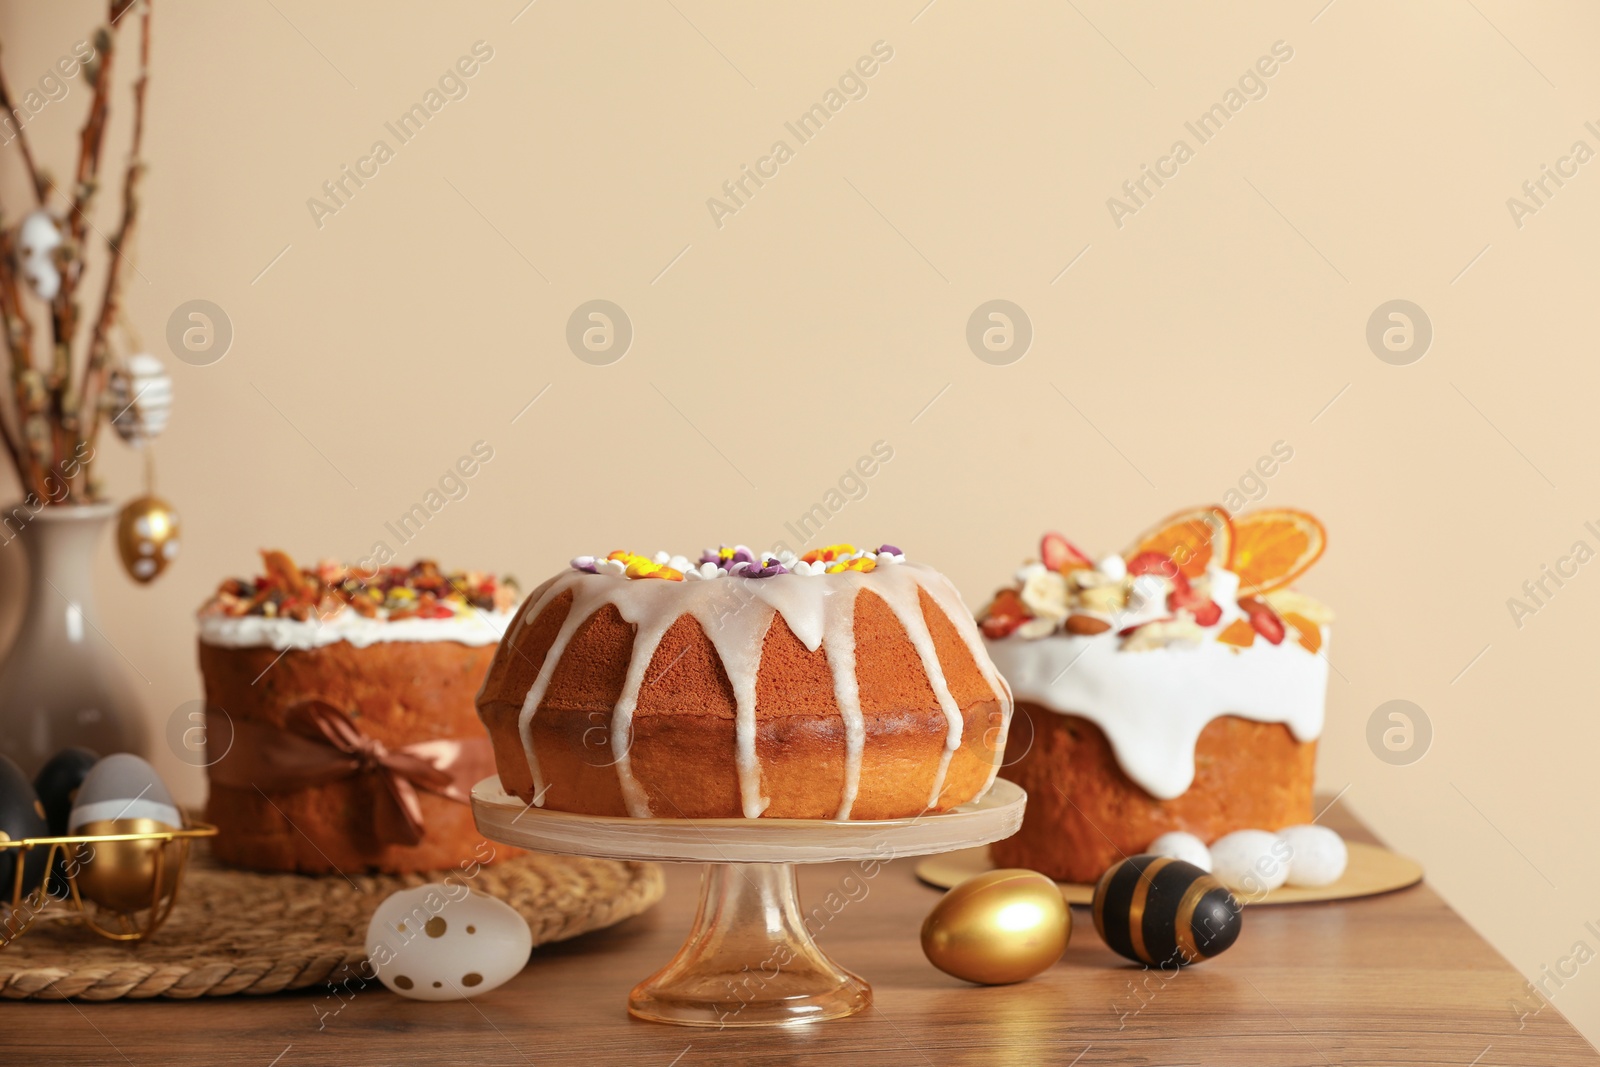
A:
749	959
167	859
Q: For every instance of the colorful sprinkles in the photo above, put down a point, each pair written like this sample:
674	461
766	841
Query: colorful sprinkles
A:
739	561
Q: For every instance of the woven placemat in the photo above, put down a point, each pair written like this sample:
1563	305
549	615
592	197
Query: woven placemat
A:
243	932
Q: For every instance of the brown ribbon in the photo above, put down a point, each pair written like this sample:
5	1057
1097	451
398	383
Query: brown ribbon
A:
320	743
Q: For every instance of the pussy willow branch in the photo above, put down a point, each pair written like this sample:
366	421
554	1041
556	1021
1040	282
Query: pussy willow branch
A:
34	174
19	349
86	182
49	414
98	364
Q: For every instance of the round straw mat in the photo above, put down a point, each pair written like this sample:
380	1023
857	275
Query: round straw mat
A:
245	932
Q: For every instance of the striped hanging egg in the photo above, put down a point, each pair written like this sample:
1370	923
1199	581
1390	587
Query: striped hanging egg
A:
1161	911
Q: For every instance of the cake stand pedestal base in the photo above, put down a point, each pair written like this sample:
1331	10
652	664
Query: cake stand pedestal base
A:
749	960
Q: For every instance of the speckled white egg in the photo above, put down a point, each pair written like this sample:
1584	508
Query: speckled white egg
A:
1250	861
1181	845
1318	855
442	941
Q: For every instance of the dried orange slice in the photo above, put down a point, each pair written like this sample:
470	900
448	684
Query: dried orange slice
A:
1274	547
1192	538
1308	633
1238	633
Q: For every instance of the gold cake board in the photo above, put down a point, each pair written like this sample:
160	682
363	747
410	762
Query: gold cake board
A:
246	932
1371	870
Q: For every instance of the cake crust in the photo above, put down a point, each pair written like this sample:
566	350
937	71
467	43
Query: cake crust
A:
1084	813
399	693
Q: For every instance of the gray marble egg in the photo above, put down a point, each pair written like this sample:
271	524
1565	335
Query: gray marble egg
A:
122	786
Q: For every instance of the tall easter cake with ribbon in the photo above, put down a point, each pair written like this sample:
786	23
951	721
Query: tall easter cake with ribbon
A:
340	729
1176	687
843	684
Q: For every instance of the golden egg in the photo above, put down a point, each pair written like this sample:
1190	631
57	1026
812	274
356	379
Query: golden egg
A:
121	875
996	928
147	537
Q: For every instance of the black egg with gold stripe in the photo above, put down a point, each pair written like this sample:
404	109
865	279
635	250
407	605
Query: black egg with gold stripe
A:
1164	912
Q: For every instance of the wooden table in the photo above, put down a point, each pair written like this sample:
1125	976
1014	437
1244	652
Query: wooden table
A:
1399	979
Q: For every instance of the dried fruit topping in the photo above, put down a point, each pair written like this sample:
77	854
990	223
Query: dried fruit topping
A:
1003	615
1238	633
1272	548
1194	539
1308	633
1206	612
421	591
1263	619
1181	577
1161	565
1061	555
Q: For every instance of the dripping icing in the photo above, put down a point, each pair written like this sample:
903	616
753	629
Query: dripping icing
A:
739	634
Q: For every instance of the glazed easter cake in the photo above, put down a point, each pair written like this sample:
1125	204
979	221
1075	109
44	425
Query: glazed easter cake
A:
1177	687
844	684
341	729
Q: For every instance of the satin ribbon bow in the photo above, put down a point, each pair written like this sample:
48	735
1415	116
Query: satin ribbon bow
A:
319	743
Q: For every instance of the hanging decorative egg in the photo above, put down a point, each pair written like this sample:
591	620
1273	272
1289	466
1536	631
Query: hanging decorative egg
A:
38	237
140	398
996	928
147	537
1164	912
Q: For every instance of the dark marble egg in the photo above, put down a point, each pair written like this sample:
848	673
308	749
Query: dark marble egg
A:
57	784
21	815
1164	912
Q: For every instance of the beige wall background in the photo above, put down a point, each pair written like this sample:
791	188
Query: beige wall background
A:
829	312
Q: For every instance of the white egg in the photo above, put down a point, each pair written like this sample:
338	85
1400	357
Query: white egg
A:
122	786
1251	861
1184	846
38	235
1317	857
442	941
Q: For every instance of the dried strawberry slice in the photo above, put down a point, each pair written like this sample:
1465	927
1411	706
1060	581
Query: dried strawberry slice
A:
1161	565
1206	612
1059	554
1263	619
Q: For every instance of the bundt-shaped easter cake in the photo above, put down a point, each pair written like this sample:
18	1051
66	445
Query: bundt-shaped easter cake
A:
845	684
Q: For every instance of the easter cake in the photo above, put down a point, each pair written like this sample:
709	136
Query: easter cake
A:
1179	686
843	684
340	725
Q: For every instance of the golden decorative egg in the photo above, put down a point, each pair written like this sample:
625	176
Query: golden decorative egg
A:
147	537
121	875
996	928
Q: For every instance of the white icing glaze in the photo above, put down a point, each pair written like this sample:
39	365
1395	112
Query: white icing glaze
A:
1153	704
735	615
258	631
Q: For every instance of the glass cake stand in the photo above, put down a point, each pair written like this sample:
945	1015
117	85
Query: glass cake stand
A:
749	959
